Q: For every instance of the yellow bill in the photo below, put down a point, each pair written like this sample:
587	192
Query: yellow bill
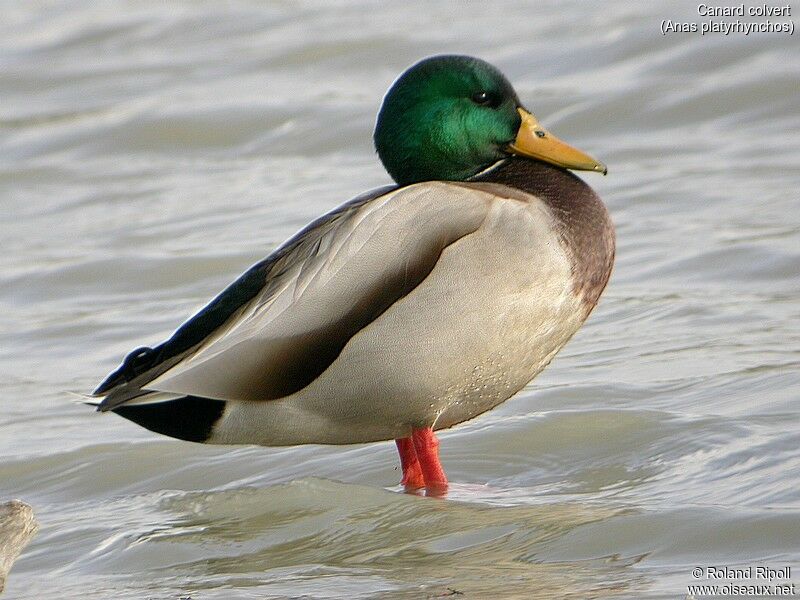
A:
534	141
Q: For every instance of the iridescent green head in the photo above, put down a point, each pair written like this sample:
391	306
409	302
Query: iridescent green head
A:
450	117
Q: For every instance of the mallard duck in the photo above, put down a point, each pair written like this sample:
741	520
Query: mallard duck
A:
409	309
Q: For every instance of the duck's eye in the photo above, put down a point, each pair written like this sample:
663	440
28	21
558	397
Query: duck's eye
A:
485	99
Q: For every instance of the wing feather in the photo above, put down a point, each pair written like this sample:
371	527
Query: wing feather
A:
317	292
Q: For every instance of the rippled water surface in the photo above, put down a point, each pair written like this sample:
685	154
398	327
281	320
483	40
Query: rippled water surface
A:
151	151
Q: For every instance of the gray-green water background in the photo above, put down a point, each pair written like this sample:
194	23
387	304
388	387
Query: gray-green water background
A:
151	151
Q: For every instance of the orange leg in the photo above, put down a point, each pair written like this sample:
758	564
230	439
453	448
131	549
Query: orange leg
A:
427	448
412	473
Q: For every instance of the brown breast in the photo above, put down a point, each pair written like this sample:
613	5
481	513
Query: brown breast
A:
586	227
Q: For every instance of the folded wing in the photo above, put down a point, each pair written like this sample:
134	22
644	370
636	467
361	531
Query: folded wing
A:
314	294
